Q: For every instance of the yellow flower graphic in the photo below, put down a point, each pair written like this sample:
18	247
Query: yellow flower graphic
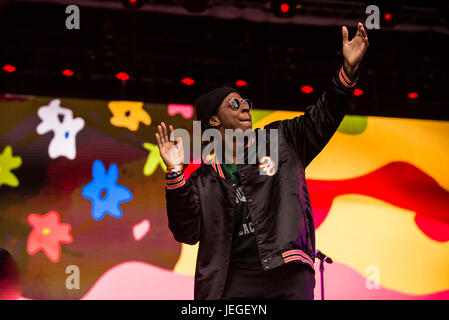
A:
154	159
8	163
128	114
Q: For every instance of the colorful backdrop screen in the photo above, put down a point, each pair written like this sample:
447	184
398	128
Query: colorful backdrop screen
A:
82	201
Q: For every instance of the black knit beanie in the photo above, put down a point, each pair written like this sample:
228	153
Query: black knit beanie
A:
207	104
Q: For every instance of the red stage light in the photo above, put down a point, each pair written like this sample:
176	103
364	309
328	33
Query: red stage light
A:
285	8
188	81
413	95
388	16
241	83
68	72
9	68
306	89
358	92
133	4
122	76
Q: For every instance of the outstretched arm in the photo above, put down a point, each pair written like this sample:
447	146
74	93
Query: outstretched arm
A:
183	202
308	134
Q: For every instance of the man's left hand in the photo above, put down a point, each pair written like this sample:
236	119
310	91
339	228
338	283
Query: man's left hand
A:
354	50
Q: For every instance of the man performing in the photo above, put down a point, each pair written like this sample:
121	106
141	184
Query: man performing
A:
255	231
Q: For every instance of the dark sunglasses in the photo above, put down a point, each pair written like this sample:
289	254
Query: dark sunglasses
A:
235	103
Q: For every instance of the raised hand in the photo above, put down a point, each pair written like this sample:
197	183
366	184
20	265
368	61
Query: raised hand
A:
354	50
172	154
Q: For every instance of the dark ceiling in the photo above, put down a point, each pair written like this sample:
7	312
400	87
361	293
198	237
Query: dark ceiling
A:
159	49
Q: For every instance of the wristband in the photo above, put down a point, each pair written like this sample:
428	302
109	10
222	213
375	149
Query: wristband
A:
176	168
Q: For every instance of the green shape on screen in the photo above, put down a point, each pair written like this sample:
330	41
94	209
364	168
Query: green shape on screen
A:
154	159
353	124
257	115
7	163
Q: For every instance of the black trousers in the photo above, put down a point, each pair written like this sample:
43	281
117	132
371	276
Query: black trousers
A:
291	281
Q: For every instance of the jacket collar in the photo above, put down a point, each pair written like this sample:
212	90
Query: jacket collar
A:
212	160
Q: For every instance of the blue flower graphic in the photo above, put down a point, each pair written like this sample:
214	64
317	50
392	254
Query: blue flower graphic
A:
104	192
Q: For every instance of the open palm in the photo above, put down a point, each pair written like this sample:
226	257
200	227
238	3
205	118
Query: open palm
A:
172	154
354	50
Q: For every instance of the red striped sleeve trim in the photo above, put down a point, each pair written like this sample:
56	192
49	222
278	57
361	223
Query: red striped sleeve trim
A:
297	252
177	185
168	180
286	255
299	258
345	79
293	258
343	73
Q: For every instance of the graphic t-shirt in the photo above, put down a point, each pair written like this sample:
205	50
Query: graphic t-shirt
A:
244	246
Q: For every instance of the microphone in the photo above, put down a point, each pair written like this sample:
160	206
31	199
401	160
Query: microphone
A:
322	256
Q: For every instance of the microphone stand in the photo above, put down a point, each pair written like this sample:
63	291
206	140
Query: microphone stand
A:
323	258
322	278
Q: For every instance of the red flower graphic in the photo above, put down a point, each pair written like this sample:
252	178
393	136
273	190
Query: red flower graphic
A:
47	234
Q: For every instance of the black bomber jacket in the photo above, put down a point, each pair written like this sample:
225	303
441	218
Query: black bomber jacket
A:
201	208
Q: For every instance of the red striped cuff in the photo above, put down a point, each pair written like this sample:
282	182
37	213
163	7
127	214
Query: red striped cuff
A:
344	79
175	182
296	254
